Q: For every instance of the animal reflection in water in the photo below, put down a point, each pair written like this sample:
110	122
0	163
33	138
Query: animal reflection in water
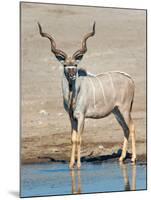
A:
126	178
77	182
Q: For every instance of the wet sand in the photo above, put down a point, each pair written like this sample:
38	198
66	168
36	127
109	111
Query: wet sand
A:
119	45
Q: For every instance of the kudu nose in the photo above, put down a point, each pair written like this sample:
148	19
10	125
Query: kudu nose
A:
72	72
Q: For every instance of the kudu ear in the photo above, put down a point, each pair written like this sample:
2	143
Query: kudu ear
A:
78	58
61	58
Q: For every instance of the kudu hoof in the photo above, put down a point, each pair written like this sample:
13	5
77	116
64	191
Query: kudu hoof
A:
71	165
78	165
121	159
133	160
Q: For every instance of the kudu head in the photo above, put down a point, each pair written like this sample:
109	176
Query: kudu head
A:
70	63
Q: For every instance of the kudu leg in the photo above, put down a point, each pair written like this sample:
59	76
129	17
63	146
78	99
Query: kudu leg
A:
125	144
80	126
132	132
124	120
78	150
73	141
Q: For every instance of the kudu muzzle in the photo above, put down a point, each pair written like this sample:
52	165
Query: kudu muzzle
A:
70	72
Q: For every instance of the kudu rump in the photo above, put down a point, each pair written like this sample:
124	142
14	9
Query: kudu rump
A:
94	96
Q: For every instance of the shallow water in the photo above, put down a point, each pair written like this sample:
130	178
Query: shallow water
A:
57	179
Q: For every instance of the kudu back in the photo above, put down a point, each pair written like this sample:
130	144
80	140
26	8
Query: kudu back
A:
94	96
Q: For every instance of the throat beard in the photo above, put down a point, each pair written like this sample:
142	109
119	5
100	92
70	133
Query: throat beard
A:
71	99
70	87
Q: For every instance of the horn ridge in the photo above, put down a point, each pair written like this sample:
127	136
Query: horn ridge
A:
53	44
84	45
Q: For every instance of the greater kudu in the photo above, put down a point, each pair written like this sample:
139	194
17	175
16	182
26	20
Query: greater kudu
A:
87	96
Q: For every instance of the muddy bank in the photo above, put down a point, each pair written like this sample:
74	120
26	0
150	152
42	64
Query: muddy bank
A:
91	152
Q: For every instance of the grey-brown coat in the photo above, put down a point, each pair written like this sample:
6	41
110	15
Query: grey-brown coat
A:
94	96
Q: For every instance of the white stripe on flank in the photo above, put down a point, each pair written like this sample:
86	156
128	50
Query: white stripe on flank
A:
111	80
90	74
102	89
93	91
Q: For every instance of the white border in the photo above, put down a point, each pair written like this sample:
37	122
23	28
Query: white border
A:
9	101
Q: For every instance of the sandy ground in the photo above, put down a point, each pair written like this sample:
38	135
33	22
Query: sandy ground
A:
119	44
